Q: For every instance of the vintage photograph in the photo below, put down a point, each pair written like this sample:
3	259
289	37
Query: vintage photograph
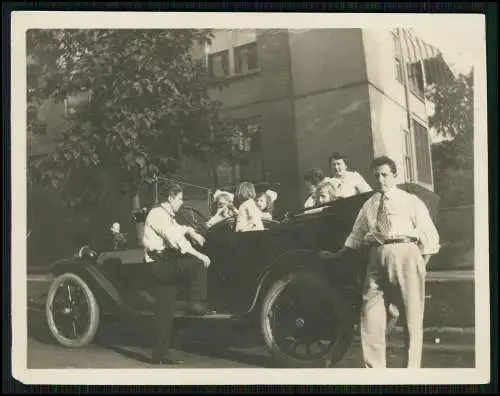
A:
251	197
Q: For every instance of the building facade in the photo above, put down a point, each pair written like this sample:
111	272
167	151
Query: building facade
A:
297	96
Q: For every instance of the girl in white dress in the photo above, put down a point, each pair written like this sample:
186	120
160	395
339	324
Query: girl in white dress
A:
249	216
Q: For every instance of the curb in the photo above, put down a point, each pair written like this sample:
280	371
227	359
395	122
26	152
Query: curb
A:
428	346
444	330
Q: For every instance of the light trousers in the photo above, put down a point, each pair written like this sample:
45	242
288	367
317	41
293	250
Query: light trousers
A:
395	274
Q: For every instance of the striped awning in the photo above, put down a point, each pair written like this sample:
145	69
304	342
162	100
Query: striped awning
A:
417	50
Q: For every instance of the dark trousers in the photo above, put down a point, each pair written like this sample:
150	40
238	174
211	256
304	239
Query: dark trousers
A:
170	274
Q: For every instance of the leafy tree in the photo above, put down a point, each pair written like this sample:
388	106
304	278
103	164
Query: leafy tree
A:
453	157
146	106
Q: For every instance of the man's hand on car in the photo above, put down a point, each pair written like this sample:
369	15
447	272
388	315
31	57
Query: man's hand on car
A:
205	259
327	255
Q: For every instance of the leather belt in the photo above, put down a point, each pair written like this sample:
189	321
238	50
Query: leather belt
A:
161	254
392	241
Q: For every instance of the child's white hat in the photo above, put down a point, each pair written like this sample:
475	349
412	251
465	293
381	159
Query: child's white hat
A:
272	195
115	227
221	192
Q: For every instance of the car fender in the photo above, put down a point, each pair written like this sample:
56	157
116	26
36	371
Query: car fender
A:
106	294
285	262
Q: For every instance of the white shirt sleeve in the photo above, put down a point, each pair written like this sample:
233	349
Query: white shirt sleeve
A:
426	230
357	236
361	185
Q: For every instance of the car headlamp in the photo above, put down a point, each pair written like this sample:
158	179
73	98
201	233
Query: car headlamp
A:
85	252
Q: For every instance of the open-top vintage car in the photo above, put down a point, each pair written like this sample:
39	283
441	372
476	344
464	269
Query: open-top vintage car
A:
305	307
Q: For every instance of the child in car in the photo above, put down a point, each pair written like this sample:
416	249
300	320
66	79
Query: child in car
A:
249	216
265	202
118	238
326	191
225	207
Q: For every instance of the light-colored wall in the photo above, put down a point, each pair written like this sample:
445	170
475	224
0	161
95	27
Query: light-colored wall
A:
388	119
381	69
387	98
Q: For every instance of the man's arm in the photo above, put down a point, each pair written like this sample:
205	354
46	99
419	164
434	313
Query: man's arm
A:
174	234
166	229
426	230
355	239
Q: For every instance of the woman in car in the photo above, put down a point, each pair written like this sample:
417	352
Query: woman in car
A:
249	216
265	202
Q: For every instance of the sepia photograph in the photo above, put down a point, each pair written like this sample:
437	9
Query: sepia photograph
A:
261	192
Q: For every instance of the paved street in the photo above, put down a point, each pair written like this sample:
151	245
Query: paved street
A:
212	345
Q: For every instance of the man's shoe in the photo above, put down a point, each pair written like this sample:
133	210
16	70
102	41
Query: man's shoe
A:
199	309
168	359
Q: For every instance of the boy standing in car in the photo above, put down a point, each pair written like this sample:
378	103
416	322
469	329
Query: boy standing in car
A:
174	261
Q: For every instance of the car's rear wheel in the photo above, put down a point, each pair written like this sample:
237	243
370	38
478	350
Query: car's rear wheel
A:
304	321
72	311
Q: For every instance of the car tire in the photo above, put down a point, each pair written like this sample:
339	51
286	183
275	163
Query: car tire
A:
90	329
321	287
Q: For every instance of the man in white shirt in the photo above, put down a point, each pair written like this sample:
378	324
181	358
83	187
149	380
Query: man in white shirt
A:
173	261
398	227
349	182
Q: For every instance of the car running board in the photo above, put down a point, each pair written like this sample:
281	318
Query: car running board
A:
185	315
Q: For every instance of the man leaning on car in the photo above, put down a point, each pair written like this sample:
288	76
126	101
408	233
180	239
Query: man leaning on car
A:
402	236
174	262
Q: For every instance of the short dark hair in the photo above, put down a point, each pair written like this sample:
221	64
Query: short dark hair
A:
385	160
170	190
337	156
314	176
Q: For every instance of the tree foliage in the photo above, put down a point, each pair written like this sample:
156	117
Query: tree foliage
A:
148	105
453	157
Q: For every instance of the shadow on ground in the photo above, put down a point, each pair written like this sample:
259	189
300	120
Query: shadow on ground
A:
216	339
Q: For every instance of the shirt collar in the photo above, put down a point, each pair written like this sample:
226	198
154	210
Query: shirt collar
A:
391	192
168	209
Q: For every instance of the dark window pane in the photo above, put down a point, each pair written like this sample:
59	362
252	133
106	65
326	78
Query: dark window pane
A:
424	165
218	64
246	58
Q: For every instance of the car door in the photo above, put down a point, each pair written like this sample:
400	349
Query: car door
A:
244	256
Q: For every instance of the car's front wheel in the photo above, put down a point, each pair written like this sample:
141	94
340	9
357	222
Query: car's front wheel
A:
72	311
304	321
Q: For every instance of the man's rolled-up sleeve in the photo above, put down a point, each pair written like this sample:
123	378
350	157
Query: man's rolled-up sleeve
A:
426	230
357	236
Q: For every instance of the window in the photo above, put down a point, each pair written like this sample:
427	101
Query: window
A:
407	155
218	64
416	79
398	58
423	156
232	53
248	142
247	135
245	58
